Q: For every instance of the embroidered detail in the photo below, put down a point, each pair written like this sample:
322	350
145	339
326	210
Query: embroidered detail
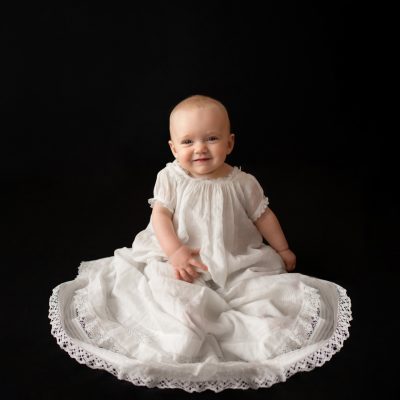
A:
139	334
91	327
306	322
181	172
89	322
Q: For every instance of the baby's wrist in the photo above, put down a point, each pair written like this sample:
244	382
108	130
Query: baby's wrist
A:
176	251
283	250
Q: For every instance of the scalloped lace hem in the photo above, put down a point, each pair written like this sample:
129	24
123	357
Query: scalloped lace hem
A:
308	363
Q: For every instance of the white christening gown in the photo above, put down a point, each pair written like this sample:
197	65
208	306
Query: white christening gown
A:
246	323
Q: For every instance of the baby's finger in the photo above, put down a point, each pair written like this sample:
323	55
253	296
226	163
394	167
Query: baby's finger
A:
185	276
290	266
177	275
198	264
192	272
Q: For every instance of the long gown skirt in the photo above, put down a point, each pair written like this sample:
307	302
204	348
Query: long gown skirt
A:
139	323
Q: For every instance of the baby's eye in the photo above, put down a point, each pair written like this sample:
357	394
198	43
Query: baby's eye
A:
212	138
187	141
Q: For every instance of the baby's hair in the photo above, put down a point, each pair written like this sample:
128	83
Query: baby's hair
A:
200	101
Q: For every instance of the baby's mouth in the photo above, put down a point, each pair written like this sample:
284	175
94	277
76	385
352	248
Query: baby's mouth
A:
202	159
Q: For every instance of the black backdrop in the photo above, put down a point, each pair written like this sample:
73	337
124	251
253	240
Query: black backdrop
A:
86	93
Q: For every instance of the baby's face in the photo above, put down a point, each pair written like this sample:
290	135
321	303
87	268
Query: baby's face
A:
200	140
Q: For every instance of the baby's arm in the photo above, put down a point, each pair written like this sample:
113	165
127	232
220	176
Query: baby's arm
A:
270	228
181	257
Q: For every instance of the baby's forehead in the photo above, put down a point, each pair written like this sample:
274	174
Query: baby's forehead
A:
195	106
198	105
209	107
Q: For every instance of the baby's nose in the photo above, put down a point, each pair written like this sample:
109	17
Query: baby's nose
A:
201	146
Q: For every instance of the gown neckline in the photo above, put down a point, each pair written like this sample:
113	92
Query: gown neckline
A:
181	171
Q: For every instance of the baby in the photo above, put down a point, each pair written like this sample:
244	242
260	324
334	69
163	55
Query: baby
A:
200	301
200	142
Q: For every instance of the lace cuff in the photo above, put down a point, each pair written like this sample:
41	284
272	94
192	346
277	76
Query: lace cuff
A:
260	209
153	200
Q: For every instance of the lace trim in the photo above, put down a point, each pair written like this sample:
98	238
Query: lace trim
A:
153	200
306	323
90	325
261	209
83	268
89	322
184	173
315	359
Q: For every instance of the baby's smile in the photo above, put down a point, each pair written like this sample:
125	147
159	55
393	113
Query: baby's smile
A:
202	159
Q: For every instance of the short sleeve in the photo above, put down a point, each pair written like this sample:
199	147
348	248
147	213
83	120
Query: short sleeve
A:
255	200
164	191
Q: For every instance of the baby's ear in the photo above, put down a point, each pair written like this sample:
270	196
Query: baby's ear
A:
172	147
231	142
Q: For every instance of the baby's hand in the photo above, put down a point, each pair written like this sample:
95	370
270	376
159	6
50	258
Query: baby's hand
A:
184	263
289	258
